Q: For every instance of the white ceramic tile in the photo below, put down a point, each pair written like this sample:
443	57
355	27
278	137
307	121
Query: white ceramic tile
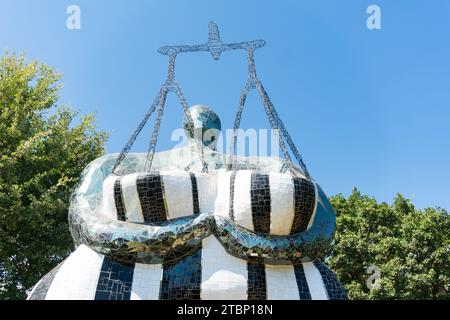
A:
146	281
78	276
281	283
109	204
131	198
242	199
224	277
178	193
207	191
282	203
222	203
315	283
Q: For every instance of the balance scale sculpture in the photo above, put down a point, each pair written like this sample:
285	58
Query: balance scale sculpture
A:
192	223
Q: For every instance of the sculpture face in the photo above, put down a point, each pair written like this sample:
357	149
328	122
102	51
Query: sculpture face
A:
207	126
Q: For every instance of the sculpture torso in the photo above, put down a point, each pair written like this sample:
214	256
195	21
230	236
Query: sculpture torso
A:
195	249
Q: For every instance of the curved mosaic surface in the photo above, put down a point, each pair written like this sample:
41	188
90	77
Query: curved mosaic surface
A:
207	125
207	274
191	223
169	240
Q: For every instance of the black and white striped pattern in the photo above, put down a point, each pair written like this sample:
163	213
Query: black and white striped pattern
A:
157	196
209	273
41	288
274	203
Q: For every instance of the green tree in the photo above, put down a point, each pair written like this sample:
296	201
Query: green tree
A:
41	157
410	247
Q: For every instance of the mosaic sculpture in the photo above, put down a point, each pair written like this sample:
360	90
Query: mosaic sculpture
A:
192	223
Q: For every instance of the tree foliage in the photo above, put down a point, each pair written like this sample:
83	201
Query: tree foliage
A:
41	157
410	247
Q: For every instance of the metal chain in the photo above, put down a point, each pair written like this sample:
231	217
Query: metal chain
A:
237	122
159	102
215	47
129	144
154	137
274	119
287	136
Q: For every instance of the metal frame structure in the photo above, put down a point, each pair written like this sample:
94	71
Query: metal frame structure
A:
215	46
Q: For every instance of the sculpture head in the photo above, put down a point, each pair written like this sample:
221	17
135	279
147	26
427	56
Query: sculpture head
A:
207	126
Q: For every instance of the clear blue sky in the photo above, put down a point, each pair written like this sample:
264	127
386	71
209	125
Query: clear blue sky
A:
367	108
